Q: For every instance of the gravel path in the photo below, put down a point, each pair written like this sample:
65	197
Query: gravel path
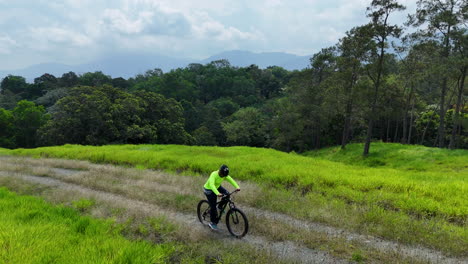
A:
285	250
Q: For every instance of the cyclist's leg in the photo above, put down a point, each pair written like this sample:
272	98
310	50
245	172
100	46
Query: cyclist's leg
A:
212	198
222	190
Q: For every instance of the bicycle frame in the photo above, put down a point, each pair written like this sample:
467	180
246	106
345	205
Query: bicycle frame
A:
229	202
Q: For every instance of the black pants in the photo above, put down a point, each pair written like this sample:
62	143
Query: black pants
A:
212	198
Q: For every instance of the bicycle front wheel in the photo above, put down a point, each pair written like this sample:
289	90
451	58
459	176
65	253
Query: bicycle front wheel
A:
237	223
203	212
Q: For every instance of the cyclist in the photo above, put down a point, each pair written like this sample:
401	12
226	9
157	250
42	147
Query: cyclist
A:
213	189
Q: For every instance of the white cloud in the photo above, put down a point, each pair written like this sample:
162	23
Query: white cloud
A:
6	44
59	36
75	31
205	27
116	20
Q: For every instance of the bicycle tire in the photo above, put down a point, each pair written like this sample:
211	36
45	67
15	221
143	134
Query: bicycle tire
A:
203	212
237	223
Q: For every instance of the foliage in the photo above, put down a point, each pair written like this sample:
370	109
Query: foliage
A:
35	232
18	127
27	119
360	89
7	136
246	128
105	114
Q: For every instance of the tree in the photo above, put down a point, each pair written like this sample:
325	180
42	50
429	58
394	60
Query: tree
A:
426	125
8	99
44	83
120	83
212	121
52	96
192	115
225	106
102	115
68	79
355	49
461	60
246	127
415	70
27	119
15	84
287	127
268	84
323	64
203	137
166	115
7	138
94	79
443	19
381	30
300	115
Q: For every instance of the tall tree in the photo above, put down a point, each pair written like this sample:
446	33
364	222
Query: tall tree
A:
323	64
379	12
442	18
415	66
354	49
461	51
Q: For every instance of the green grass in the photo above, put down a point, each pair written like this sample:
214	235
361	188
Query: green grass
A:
437	188
407	193
32	231
398	156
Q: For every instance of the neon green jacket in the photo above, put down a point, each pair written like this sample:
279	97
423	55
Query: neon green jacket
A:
214	181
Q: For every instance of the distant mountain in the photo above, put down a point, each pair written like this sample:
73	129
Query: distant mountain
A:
129	65
37	70
245	58
123	65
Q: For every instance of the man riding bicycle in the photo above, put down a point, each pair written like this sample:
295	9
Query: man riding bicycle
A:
213	189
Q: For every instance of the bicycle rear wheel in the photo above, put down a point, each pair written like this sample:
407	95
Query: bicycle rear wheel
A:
203	212
237	223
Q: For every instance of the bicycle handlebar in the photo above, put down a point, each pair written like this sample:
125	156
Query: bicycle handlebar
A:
229	194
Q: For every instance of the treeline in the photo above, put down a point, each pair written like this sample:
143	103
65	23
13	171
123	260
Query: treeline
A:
361	89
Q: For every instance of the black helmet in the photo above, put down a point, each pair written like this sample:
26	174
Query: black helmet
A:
223	171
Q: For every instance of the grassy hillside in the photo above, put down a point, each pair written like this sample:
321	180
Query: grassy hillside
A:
32	231
408	193
398	156
436	188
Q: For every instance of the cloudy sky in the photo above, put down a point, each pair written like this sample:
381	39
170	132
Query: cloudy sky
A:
79	31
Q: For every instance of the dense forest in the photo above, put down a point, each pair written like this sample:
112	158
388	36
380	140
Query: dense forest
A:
395	83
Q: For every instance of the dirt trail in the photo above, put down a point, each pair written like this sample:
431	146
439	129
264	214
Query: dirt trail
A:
374	242
285	250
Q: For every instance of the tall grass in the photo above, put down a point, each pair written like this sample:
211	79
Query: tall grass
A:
405	157
435	188
32	231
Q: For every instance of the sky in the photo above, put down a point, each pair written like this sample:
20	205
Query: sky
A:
80	31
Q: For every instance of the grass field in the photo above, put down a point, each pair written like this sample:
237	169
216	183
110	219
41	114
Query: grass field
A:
70	228
32	231
411	194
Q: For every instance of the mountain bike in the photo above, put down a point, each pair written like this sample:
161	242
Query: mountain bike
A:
236	221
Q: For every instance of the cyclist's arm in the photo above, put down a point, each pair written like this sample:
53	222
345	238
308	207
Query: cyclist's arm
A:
232	181
211	183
